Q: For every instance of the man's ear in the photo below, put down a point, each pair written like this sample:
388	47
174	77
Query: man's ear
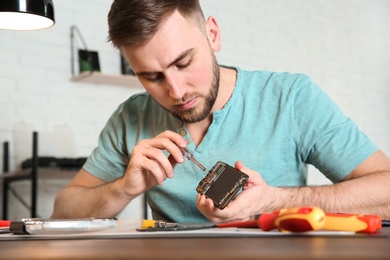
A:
213	33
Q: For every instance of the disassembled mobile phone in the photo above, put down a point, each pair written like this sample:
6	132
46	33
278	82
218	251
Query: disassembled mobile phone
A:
222	183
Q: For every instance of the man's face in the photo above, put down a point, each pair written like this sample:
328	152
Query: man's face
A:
178	68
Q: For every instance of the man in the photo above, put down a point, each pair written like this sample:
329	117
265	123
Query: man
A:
267	125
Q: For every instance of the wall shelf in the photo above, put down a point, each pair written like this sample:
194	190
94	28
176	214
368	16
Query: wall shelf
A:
109	79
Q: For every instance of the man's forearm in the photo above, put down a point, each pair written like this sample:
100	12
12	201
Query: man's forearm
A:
104	201
368	194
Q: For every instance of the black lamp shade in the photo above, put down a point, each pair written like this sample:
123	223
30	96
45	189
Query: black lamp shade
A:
26	14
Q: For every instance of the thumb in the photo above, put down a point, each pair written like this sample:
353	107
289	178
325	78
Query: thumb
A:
254	177
240	166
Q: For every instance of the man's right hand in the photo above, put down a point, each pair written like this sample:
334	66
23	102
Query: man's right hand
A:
149	166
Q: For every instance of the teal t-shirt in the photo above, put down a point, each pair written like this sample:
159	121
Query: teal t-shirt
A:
275	123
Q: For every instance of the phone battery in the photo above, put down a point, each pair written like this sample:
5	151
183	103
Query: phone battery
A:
222	183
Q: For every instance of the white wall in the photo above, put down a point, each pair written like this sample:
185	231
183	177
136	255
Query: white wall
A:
342	44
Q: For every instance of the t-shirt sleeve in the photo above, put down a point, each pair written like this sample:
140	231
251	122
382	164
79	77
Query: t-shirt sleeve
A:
330	140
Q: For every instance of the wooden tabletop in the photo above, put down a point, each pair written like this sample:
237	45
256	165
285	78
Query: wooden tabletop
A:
274	247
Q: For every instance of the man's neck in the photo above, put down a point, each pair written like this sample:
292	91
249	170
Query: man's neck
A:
227	83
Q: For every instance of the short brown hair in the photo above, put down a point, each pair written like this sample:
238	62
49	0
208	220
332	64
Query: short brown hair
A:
133	22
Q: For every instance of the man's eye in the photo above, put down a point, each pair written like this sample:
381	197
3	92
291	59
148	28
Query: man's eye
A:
158	77
185	65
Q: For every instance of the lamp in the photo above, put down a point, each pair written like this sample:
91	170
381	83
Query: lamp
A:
26	14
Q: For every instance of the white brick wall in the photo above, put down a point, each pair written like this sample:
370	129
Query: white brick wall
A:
342	44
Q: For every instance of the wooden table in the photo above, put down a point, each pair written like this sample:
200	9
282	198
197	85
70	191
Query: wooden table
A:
273	247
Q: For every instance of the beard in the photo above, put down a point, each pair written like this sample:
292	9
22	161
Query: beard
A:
196	114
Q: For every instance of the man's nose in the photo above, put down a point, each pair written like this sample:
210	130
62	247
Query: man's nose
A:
175	86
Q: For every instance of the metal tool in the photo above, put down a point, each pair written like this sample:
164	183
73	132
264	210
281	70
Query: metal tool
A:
160	225
186	153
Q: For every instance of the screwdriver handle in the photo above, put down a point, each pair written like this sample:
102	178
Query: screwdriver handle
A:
353	222
300	219
5	223
267	221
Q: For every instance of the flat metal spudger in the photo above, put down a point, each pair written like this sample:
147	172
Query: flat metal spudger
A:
190	157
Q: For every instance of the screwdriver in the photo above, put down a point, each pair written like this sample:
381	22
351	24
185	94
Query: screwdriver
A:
300	219
186	153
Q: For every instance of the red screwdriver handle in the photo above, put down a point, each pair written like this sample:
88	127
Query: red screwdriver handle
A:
300	219
5	223
267	221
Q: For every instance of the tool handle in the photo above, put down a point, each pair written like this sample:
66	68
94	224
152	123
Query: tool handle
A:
267	221
148	223
293	219
300	219
5	223
353	222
